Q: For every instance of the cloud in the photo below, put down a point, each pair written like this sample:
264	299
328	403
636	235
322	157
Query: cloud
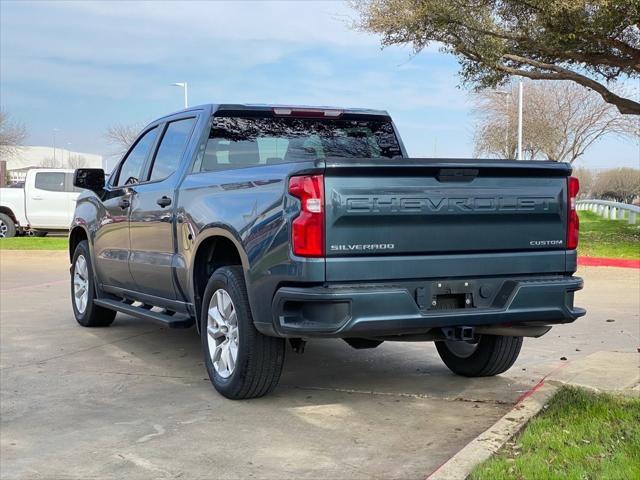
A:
80	66
141	33
301	22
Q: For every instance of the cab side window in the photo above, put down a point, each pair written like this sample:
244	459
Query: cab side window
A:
131	168
171	148
50	181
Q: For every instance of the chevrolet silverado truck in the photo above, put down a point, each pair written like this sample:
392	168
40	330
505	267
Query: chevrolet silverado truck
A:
45	203
262	224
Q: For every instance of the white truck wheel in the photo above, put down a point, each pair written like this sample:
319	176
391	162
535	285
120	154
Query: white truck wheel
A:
7	226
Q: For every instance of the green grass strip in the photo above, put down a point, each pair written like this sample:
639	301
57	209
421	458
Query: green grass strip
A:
34	243
600	237
581	435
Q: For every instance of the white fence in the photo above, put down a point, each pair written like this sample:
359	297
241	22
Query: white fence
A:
611	210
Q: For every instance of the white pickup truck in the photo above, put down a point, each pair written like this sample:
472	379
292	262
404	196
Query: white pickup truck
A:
45	204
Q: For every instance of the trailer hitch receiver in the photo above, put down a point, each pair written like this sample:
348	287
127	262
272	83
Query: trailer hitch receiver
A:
459	333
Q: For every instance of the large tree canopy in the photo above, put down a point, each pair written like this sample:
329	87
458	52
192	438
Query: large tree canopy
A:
590	42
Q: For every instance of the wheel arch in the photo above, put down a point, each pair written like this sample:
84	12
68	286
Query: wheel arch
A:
216	247
8	212
76	235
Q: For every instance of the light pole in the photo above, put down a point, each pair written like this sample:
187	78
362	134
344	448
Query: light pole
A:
506	137
520	119
55	130
186	94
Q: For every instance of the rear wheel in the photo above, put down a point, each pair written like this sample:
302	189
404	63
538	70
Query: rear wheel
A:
7	226
83	291
241	362
487	356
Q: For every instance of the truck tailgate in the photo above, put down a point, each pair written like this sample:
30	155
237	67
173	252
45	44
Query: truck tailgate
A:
422	206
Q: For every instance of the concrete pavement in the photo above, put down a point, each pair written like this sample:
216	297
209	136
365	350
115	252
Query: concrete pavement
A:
133	400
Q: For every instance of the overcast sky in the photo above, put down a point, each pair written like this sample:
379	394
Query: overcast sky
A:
81	66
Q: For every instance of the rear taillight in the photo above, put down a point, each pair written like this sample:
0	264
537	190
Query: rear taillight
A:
573	223
307	236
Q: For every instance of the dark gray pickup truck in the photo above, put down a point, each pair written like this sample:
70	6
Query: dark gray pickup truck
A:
264	223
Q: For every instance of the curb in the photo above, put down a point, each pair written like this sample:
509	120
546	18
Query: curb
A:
608	262
485	445
621	377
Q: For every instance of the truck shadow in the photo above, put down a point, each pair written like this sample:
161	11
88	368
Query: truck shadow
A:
403	369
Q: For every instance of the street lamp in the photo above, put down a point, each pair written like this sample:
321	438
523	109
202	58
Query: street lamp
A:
520	119
185	87
506	137
55	130
500	92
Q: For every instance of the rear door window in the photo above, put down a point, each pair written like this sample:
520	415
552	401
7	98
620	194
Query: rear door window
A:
174	141
50	181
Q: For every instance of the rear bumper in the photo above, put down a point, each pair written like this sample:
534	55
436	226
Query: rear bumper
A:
407	308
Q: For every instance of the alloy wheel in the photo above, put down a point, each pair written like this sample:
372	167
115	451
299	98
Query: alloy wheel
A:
222	333
81	284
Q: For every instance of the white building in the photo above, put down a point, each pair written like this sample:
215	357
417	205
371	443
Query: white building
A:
32	156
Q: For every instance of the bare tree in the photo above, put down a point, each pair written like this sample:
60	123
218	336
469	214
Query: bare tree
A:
497	125
48	162
587	180
77	161
122	136
561	120
618	184
12	134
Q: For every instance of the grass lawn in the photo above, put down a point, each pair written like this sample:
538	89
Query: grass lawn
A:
581	435
34	243
600	237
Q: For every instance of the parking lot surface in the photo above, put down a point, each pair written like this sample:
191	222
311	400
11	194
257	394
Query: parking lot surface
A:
133	400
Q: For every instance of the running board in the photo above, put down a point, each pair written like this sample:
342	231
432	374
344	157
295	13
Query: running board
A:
171	321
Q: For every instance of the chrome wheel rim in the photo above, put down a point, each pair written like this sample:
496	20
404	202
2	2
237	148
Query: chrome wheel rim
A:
81	284
461	349
222	333
3	229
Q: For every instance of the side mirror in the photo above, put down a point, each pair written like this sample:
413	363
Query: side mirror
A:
89	179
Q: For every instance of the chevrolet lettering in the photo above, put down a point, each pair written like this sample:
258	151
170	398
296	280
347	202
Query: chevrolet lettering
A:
410	204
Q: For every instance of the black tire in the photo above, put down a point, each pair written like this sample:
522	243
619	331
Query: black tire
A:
7	226
494	354
93	315
259	358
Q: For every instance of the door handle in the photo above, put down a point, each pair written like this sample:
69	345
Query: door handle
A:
164	201
124	203
36	198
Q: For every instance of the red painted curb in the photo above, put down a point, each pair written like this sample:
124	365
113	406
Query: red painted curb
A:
608	262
